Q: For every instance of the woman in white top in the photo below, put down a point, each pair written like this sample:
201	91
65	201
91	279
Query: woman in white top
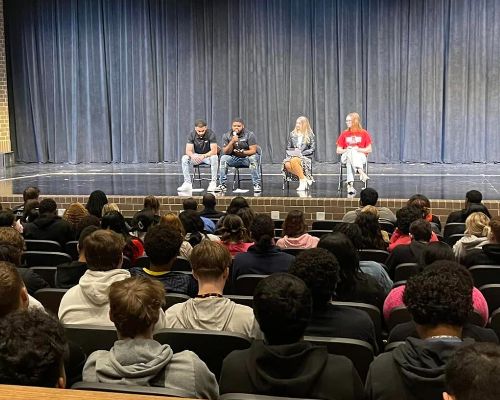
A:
476	235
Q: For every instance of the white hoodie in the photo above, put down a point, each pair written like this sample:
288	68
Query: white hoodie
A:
466	244
88	302
215	314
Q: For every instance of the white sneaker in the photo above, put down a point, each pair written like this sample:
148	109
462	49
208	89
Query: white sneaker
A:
309	182
363	176
257	188
302	185
350	188
185	187
212	186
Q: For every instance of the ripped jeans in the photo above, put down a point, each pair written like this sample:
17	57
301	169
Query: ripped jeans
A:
251	162
353	160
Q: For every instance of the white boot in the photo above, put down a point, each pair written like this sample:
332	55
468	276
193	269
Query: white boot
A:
302	185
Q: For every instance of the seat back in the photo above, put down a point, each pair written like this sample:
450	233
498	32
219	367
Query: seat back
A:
359	352
404	271
387	226
240	299
391	346
278	223
142	262
45	258
492	295
452	239
90	337
245	284
292	252
485	274
71	248
50	298
453	228
174	298
372	311
181	264
127	263
495	321
42	245
397	316
48	274
325	225
318	232
379	256
211	346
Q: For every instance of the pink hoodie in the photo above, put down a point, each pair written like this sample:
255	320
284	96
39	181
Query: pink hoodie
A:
304	241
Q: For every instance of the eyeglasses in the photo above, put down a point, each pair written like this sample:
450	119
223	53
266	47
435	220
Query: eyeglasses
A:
348	120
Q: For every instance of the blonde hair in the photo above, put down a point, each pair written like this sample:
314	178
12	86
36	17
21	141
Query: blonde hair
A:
356	122
477	224
106	208
370	210
75	213
306	130
172	220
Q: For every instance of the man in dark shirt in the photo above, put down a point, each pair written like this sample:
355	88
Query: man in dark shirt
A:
209	203
473	199
201	148
162	245
240	150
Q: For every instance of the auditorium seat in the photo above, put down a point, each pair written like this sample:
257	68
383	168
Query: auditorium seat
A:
241	299
293	252
391	346
182	265
245	284
319	232
372	311
359	352
50	298
387	226
90	337
142	262
174	298
47	273
404	271
211	346
397	316
71	248
452	239
45	258
379	256
453	228
42	245
127	389
492	295
495	321
485	274
325	225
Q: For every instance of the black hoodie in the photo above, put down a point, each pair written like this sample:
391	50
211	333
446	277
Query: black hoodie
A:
489	254
293	370
413	371
49	227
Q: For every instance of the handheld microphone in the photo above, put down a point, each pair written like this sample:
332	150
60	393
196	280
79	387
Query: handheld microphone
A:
235	133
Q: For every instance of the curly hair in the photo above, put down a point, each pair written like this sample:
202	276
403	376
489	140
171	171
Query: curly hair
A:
162	244
294	224
75	213
477	224
32	348
440	294
405	216
134	304
371	234
319	269
233	230
282	307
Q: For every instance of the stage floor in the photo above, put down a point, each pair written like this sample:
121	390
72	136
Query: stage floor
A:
393	181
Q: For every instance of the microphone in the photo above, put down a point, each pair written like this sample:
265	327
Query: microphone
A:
235	133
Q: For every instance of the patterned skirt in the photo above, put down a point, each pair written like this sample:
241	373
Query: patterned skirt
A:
306	167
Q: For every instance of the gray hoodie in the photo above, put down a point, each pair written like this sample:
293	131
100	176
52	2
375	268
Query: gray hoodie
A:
145	362
215	314
466	244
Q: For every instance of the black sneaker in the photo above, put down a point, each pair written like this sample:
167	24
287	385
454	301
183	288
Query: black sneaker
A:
257	189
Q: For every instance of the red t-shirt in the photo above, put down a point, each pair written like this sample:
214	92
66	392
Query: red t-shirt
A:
358	138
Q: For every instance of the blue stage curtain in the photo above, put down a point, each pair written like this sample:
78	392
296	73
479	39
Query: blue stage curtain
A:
123	80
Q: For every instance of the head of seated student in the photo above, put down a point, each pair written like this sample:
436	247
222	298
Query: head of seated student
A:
12	245
210	262
405	216
347	256
6	218
371	233
295	224
152	203
103	250
247	214
134	306
90	220
421	202
115	221
193	225
75	213
262	232
162	244
209	201
472	373
435	251
108	207
189	204
32	349
421	230
95	202
440	299
473	197
319	269
237	203
233	230
282	307
368	197
48	208
81	241
494	235
31	210
31	193
143	220
13	293
173	221
477	224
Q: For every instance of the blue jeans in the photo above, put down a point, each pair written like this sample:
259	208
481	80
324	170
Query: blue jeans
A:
251	162
186	162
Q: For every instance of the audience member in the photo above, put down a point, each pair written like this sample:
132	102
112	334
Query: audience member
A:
48	226
90	220
192	204
68	274
32	350
162	245
283	364
115	221
247	215
209	202
11	250
263	257
153	204
234	235
13	293
371	233
473	199
401	235
74	214
195	229
353	285
234	206
142	221
476	233
31	211
472	373
30	193
108	207
319	269
439	300
374	211
172	221
7	219
136	358
369	197
96	202
295	234
423	203
489	254
87	302
210	310
420	234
